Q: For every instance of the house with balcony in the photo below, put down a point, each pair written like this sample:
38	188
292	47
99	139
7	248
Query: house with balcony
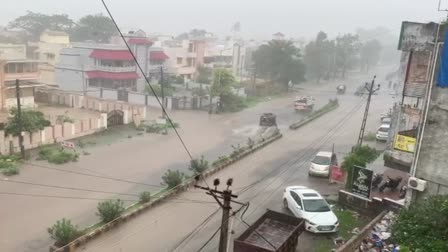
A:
86	66
185	56
15	66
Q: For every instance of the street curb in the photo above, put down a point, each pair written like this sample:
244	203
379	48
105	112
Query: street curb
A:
82	240
330	106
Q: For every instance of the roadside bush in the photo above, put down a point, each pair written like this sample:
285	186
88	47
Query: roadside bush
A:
144	197
63	119
370	137
110	210
360	156
250	143
63	232
232	103
236	151
8	165
9	171
198	165
57	155
197	91
221	159
173	178
424	225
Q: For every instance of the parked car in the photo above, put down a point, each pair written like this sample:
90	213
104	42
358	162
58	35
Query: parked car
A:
320	165
386	120
382	134
308	204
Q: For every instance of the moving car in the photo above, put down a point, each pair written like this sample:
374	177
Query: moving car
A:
304	104
340	89
382	133
320	166
308	204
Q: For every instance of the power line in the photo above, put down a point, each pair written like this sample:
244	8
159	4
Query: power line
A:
67	188
91	175
58	197
146	79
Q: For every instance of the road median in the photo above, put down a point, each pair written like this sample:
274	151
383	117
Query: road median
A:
330	106
164	195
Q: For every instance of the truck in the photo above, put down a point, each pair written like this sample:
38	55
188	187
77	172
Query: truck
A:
272	232
304	104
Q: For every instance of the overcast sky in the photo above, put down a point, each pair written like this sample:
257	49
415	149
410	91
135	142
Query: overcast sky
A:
258	18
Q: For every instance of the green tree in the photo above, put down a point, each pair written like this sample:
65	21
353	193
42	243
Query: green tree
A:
198	165
144	197
110	210
34	23
279	61
32	121
63	232
223	81
205	75
347	47
173	178
319	57
370	54
168	90
423	226
98	28
360	156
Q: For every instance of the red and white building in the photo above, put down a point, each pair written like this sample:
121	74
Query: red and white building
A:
88	66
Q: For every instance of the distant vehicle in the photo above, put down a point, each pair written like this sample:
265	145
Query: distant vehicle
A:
310	205
304	104
320	166
341	89
280	229
382	134
386	120
268	120
362	90
387	114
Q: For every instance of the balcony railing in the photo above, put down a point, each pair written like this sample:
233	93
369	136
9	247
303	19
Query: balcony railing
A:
22	76
110	69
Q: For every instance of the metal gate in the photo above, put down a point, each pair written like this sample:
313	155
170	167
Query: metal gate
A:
115	117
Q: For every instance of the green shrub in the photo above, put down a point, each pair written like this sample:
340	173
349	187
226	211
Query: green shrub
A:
250	143
370	136
63	232
144	197
173	178
237	150
57	155
424	225
110	210
221	159
360	156
9	171
63	119
232	103
198	165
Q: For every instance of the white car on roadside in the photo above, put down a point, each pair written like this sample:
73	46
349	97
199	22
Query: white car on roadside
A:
382	134
309	205
320	165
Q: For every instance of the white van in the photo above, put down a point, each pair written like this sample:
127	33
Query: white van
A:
320	166
382	133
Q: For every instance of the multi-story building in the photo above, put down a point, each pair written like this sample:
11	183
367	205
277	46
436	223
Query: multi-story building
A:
15	66
47	52
419	139
184	57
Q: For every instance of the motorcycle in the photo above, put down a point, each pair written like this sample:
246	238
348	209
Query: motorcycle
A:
403	191
377	179
391	183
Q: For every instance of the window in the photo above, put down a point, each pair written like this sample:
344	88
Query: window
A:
316	205
319	160
296	198
179	60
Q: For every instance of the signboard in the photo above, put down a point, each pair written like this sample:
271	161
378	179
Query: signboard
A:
404	143
362	181
417	36
67	144
337	174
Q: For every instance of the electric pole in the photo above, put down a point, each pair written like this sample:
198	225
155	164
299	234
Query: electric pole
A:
19	120
226	196
366	112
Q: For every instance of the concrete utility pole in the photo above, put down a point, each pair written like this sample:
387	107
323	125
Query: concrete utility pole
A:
227	196
366	112
19	120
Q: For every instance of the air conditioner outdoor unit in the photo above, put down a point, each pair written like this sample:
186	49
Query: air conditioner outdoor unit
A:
417	184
